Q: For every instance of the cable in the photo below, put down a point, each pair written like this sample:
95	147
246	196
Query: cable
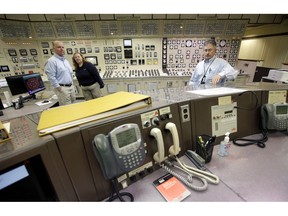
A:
245	108
200	173
187	181
118	195
260	142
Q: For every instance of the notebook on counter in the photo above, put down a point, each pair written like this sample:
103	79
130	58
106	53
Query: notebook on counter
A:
63	117
171	188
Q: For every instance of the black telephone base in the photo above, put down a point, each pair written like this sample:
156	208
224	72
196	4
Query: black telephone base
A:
117	195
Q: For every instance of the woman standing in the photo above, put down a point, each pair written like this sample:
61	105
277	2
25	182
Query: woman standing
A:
88	77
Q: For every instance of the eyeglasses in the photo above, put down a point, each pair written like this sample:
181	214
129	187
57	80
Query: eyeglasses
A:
208	50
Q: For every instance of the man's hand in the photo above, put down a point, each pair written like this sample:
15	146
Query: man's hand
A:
216	79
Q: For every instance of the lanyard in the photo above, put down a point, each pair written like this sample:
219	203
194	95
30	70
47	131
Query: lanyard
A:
205	71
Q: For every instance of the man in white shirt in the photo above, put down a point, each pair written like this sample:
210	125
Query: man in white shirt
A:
59	73
212	70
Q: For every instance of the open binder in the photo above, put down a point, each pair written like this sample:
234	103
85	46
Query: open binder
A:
71	115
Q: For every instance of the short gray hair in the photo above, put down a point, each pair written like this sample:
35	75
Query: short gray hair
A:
211	41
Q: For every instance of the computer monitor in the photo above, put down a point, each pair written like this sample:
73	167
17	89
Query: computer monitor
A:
33	83
27	83
16	84
92	59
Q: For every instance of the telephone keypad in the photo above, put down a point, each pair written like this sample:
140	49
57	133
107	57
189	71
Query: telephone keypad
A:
134	159
281	123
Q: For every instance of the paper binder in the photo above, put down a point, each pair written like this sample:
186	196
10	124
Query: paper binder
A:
71	115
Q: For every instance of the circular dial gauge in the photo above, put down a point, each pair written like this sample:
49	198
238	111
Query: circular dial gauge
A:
188	43
222	43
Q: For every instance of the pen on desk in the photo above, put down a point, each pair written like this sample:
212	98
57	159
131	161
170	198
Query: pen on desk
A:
201	141
210	141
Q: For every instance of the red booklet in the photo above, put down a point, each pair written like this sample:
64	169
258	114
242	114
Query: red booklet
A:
172	189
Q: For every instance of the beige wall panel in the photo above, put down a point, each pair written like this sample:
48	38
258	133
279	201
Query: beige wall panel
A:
272	50
252	49
276	51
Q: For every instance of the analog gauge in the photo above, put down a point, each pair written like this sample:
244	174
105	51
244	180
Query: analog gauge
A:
188	43
222	43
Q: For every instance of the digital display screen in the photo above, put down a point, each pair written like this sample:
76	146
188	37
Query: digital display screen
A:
126	137
33	83
127	43
23	52
92	59
16	84
12	52
4	68
33	51
282	109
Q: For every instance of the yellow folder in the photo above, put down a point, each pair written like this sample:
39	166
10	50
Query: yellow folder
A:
67	116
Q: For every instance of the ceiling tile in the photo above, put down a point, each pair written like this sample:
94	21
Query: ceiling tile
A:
75	16
37	17
107	16
159	16
23	17
143	16
235	16
266	18
253	18
53	17
173	16
188	16
223	16
92	16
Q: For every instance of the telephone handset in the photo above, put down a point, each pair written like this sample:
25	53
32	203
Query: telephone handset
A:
175	147
160	155
274	116
122	150
174	150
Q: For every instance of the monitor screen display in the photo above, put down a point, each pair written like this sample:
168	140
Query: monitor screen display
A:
92	59
16	84
127	43
33	83
5	68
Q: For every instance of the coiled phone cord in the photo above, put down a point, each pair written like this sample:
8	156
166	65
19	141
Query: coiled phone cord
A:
200	173
187	181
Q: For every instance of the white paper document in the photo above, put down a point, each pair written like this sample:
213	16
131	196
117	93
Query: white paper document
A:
217	91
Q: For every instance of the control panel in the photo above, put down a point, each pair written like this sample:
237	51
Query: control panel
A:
118	58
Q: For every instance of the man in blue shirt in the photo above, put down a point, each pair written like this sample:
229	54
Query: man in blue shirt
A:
212	70
59	73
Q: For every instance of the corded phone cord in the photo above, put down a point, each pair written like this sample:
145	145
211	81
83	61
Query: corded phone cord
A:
260	142
118	195
188	181
200	173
